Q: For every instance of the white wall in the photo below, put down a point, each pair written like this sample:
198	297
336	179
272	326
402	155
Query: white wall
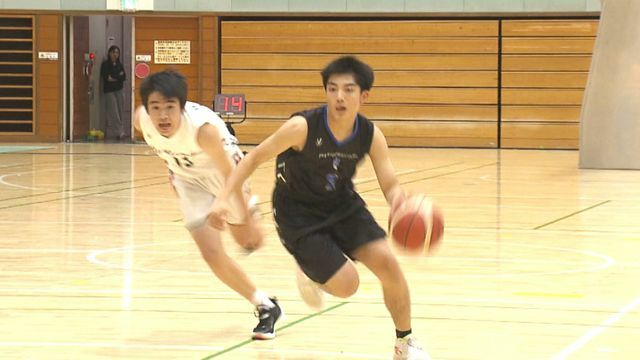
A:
610	119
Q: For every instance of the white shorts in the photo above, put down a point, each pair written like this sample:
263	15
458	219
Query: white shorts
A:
197	196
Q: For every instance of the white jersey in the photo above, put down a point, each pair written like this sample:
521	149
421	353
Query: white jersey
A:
182	153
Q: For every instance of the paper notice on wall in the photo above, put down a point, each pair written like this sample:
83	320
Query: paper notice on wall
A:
172	51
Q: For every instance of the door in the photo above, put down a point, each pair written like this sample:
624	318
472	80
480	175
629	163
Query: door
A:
81	77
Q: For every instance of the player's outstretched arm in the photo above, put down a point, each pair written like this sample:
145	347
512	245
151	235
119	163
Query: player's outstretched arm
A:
292	134
210	141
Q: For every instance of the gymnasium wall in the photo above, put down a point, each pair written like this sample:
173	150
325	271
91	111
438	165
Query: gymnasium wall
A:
545	64
329	6
431	76
448	83
49	79
610	118
149	29
30	88
202	32
438	83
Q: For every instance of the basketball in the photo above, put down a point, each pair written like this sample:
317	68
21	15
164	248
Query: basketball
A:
417	224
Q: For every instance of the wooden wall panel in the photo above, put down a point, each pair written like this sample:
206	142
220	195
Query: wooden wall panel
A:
17	76
441	134
486	113
209	59
360	29
540	113
149	28
422	62
551	62
552	28
541	135
363	46
528	96
404	95
383	78
554	80
436	81
545	64
415	134
203	32
542	45
49	79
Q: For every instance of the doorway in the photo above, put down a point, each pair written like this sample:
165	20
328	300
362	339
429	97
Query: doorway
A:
89	38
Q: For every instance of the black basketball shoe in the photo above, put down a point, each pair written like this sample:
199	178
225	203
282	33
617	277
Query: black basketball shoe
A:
267	317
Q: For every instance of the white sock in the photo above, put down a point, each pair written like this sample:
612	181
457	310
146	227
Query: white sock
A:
261	298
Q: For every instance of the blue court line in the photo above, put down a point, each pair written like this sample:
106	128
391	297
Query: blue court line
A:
222	352
9	149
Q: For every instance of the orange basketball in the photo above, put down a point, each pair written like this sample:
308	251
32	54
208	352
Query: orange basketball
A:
417	224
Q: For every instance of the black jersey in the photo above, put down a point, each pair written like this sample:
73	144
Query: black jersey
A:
318	179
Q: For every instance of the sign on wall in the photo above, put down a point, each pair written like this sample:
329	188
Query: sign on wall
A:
143	57
49	55
129	5
172	51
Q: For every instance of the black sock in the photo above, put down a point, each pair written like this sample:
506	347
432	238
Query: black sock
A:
401	334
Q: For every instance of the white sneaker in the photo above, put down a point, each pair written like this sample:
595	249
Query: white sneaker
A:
309	290
408	348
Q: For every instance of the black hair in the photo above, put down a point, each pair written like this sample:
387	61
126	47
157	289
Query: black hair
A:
169	83
362	73
112	48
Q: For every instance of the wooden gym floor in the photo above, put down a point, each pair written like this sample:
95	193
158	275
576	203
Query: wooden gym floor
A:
540	260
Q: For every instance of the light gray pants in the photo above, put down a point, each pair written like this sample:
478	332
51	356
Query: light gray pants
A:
114	104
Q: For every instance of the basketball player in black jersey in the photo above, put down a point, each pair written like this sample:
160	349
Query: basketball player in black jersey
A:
321	220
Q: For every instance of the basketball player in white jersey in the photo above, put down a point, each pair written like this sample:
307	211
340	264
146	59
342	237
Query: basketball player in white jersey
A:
200	153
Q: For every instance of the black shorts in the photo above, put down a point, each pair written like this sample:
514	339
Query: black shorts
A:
322	251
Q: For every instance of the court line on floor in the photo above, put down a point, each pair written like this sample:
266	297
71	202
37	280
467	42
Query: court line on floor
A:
9	184
111	345
437	176
570	215
360	299
82	188
23	148
595	331
106	345
79	195
606	261
308	352
241	344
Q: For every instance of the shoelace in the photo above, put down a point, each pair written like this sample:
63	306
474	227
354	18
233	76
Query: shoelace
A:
262	312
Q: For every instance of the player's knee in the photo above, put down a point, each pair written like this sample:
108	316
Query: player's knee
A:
386	268
348	289
346	286
389	263
213	255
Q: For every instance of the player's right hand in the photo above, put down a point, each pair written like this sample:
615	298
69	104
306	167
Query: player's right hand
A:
218	215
